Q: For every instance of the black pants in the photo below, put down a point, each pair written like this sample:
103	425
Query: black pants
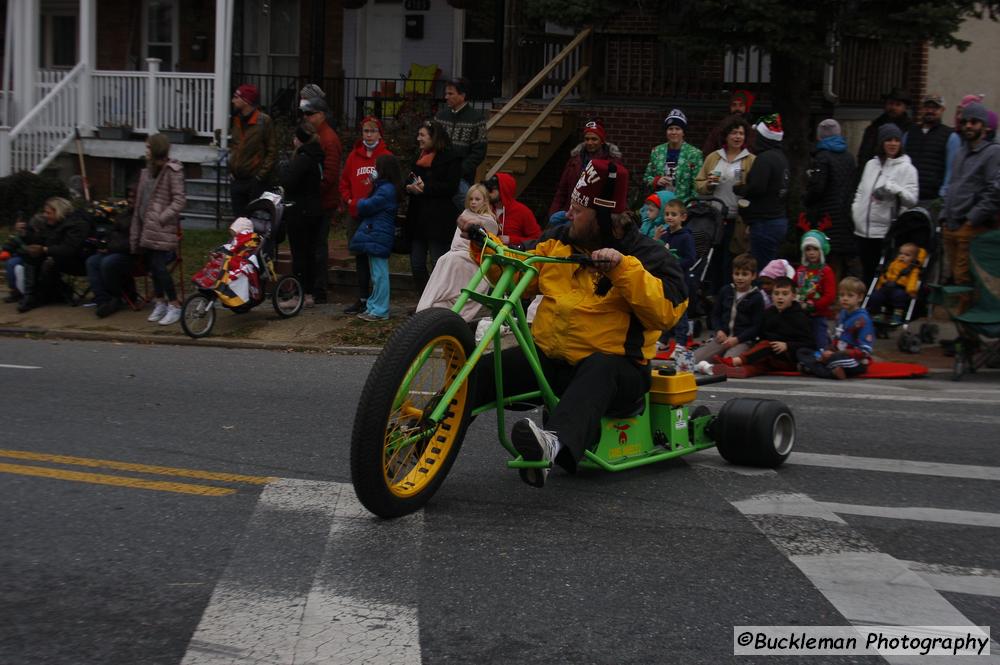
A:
241	192
869	250
156	261
895	297
43	280
596	385
362	268
824	369
321	256
303	231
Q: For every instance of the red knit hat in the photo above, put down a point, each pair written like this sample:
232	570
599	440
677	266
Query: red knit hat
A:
654	200
591	189
248	93
371	118
594	127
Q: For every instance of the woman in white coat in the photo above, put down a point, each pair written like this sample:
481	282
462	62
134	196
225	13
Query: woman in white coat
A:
888	187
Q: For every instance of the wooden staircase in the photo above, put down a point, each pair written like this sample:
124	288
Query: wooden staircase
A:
534	151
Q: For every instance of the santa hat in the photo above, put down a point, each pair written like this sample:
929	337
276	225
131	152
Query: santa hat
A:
818	240
770	127
594	127
370	118
603	185
248	93
778	268
675	117
745	95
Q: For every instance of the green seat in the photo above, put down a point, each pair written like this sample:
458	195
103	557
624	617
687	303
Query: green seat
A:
984	255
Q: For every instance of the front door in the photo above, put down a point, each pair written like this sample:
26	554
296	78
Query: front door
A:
384	36
266	48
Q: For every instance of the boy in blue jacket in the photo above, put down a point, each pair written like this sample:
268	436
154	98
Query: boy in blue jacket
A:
376	232
850	351
679	240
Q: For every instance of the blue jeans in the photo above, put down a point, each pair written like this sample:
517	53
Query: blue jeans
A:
765	239
11	274
108	275
378	301
156	264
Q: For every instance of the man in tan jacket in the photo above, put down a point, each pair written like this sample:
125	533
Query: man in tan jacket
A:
253	149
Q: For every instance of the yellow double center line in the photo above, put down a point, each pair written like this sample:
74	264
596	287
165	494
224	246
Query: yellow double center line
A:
125	481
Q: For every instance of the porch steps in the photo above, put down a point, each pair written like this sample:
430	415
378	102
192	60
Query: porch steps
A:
533	154
200	212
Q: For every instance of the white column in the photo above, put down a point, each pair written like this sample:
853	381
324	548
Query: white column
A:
88	56
152	122
223	49
25	56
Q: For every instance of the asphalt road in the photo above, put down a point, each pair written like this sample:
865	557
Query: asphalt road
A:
164	562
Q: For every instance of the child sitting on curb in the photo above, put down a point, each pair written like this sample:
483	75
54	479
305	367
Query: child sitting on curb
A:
736	316
850	351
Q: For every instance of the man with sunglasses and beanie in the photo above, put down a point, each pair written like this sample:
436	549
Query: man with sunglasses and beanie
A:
466	128
972	201
597	324
314	111
253	149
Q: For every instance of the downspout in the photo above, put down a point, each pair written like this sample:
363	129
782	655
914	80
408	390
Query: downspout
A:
831	45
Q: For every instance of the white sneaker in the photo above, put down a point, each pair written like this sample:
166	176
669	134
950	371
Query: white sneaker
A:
158	311
704	367
172	316
534	444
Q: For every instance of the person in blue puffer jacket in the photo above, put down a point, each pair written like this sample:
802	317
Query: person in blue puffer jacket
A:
376	231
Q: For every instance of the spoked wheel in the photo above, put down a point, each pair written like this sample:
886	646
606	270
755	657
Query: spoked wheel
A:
399	457
288	297
754	432
198	315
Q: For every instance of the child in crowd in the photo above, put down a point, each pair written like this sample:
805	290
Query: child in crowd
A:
773	270
455	268
784	330
897	284
850	351
816	285
679	240
13	252
376	232
651	212
736	316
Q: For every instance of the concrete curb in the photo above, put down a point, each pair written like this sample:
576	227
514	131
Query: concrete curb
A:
177	340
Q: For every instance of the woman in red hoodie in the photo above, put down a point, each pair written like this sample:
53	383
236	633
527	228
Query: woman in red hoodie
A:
355	184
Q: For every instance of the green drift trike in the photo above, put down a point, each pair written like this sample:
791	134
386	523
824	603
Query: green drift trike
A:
417	401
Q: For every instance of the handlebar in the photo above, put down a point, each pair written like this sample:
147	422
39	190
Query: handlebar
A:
480	236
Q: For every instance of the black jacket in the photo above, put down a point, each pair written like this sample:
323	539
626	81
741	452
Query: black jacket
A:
749	313
869	141
301	180
791	326
928	152
64	239
767	183
432	214
830	192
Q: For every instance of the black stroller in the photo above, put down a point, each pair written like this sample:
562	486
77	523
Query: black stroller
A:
913	226
226	280
704	219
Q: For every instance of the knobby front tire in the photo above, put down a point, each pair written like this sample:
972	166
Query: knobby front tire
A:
393	476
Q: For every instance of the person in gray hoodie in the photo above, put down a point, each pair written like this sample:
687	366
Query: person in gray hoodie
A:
972	201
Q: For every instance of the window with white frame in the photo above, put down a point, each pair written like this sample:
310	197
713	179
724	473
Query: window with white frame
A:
160	31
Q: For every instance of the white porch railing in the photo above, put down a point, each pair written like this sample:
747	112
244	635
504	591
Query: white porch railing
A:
153	100
43	133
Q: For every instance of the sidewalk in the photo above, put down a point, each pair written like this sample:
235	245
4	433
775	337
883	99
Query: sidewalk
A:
321	329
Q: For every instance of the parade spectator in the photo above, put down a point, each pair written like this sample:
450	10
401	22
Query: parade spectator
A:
723	170
895	111
968	99
851	348
430	219
253	149
355	184
311	91
517	224
594	146
301	182
377	231
466	128
972	201
932	147
315	112
12	252
765	189
740	103
736	315
888	187
898	284
109	268
815	285
772	271
52	247
454	270
159	201
784	330
680	241
651	214
673	165
829	192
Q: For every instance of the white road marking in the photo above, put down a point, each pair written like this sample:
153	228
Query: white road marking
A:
787	503
19	367
959	579
887	397
944	470
918	514
272	605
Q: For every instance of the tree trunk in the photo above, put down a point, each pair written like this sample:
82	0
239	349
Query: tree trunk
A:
790	87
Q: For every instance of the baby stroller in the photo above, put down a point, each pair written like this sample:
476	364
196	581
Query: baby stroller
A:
913	226
704	219
238	273
982	320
